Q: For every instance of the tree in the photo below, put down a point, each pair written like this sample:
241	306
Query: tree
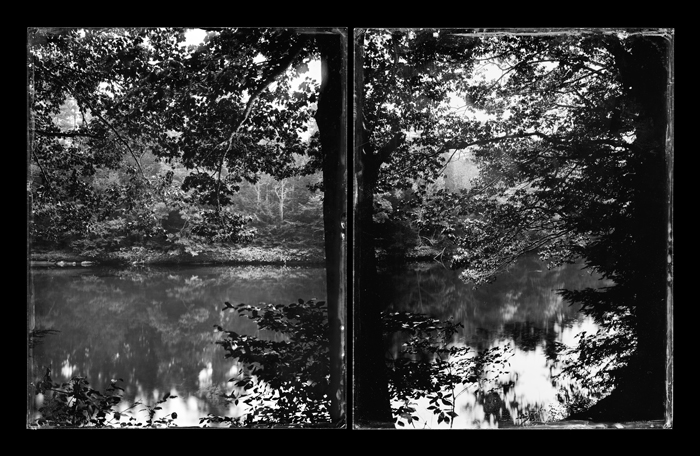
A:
331	119
371	393
580	170
225	109
403	79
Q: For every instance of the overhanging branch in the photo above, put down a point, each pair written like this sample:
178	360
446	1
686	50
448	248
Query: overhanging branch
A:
275	73
73	134
279	69
464	144
97	114
43	172
459	145
385	152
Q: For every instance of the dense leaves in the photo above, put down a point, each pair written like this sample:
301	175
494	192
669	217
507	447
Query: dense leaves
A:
588	174
130	126
431	366
76	404
408	78
284	381
568	131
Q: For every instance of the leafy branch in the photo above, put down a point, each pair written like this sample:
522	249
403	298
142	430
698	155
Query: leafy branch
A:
282	382
76	404
430	366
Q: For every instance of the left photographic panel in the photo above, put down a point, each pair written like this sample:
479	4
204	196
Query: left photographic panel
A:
187	254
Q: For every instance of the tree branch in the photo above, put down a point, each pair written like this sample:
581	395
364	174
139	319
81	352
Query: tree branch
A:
528	247
452	145
122	140
66	134
525	61
275	73
43	172
393	70
96	113
465	144
385	152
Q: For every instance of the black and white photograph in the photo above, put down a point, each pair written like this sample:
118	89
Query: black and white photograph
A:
348	228
187	239
512	228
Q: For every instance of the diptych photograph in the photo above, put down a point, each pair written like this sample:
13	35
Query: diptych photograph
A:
344	228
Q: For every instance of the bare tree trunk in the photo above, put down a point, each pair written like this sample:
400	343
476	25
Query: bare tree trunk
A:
281	192
258	193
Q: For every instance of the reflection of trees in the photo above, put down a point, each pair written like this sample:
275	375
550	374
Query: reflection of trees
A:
522	304
152	327
525	334
503	408
494	406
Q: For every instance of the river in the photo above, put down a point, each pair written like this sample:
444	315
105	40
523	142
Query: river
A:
521	311
154	328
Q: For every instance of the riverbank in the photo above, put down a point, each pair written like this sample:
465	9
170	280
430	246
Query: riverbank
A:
418	254
222	256
219	255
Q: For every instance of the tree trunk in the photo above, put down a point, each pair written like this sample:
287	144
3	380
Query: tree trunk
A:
331	118
371	395
258	190
280	191
641	392
647	75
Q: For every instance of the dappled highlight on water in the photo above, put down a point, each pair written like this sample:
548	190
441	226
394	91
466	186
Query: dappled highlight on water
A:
155	328
521	312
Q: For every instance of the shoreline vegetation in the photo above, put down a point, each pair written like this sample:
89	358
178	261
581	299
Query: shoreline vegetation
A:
279	255
252	255
222	256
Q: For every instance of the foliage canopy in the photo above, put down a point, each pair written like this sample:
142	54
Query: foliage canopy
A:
129	126
568	130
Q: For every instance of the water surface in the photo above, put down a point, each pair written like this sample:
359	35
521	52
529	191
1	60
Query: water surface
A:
521	310
154	328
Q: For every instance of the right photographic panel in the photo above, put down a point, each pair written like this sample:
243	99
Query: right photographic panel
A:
512	228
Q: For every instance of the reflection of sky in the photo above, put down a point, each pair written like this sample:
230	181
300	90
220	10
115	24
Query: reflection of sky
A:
155	329
188	407
521	309
532	387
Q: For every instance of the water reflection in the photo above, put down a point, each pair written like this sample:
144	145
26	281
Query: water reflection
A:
521	309
154	328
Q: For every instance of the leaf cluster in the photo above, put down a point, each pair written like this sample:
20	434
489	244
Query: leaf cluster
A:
429	365
76	404
283	381
108	106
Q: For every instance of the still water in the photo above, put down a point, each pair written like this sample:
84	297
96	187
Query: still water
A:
521	310
154	328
